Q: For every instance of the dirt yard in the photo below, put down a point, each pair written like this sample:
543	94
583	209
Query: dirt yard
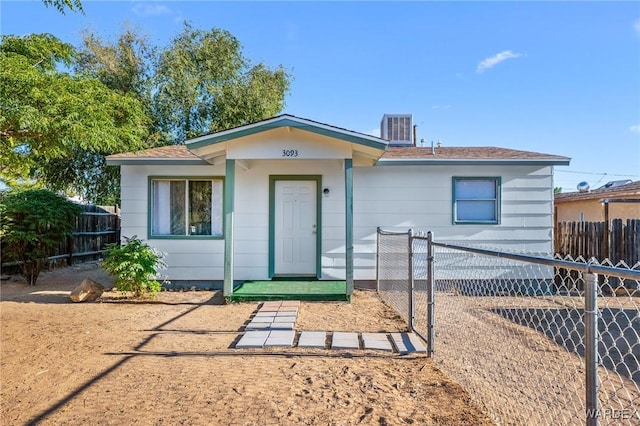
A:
172	361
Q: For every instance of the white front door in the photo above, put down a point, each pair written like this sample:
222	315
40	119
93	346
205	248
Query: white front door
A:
295	227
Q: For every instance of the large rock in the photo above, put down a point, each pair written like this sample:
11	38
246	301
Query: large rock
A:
87	291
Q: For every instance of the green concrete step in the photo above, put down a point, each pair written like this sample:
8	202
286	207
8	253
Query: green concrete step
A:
250	291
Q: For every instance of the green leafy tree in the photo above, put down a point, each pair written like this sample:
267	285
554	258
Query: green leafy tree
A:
126	65
34	223
62	5
205	84
135	265
48	116
63	110
84	173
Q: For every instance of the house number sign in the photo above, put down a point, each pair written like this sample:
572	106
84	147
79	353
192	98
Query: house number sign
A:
289	153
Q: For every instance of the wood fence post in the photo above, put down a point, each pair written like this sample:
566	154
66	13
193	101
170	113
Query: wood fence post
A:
70	247
607	231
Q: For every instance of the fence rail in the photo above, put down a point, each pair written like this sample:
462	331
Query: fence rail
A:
533	339
95	228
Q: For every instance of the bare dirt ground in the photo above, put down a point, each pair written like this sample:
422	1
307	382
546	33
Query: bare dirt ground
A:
526	364
172	361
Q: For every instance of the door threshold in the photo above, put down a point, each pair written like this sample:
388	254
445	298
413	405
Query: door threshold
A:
294	278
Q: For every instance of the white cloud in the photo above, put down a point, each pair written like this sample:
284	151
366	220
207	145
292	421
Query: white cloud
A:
494	60
636	25
375	132
635	128
145	9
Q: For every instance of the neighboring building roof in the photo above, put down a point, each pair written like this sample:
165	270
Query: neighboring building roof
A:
615	183
459	155
622	191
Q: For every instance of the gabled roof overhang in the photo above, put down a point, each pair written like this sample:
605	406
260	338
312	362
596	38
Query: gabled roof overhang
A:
288	121
341	143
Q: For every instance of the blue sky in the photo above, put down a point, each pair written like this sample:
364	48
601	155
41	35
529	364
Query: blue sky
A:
554	77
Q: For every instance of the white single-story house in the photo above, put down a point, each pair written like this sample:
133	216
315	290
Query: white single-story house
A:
289	196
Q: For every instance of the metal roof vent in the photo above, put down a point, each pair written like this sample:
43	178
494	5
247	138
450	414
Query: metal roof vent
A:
583	187
397	129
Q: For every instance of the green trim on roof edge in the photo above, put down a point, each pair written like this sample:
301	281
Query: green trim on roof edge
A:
251	129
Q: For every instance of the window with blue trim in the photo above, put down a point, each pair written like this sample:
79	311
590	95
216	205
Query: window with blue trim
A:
476	200
182	207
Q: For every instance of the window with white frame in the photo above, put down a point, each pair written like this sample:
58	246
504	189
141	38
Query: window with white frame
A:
186	206
476	200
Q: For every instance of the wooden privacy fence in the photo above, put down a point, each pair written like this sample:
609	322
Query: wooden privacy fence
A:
95	228
617	240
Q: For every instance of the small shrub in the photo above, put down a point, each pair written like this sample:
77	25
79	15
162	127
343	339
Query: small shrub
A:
135	265
34	223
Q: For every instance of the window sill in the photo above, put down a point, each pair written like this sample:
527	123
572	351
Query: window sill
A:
186	237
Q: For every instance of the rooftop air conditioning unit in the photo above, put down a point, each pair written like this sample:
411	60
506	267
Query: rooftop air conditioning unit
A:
397	129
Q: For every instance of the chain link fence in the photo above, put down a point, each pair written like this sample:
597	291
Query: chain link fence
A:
533	339
393	273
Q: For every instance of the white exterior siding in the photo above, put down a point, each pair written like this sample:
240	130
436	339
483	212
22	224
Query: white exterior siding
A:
251	219
186	259
397	198
204	259
391	197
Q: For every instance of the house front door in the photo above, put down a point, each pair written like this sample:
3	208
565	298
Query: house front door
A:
295	227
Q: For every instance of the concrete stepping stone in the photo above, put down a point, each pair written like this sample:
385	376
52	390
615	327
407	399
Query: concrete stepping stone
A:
272	304
269	309
258	325
345	340
407	343
265	314
290	303
253	339
312	339
280	338
288	311
378	341
284	319
281	326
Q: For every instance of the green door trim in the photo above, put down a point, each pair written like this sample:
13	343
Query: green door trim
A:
272	221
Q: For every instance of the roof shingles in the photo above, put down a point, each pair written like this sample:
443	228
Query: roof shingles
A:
163	152
392	153
470	153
